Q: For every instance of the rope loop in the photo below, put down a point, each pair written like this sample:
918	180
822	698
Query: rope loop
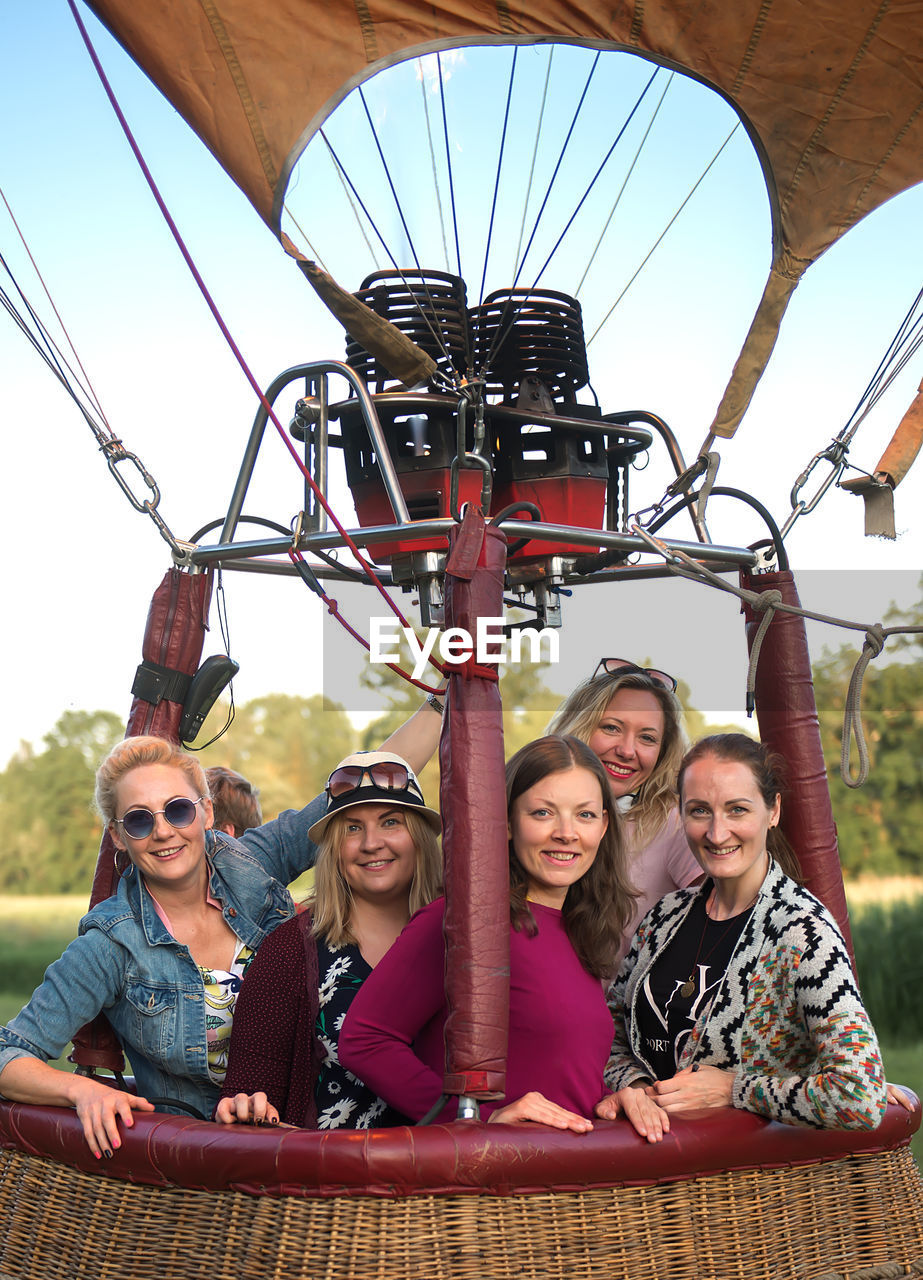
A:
852	712
764	602
875	639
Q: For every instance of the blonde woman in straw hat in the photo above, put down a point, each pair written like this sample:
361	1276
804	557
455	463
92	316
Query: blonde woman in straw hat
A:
378	862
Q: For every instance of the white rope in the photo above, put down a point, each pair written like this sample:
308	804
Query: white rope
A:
432	157
768	602
656	243
538	131
621	189
352	204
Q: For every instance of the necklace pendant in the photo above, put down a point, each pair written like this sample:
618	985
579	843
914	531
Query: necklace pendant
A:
687	989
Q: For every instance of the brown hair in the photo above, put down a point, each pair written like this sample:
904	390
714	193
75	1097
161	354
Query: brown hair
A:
132	753
598	906
330	902
768	769
236	802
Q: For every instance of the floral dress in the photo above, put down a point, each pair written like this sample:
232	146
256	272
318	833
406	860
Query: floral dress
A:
343	1101
221	990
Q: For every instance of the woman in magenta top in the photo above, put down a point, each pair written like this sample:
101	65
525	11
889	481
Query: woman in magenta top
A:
570	898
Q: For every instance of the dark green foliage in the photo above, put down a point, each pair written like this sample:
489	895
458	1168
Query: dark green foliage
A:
889	959
51	832
27	951
285	745
879	824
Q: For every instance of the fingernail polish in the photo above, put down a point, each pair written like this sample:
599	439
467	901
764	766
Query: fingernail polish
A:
274	1120
97	1154
108	1154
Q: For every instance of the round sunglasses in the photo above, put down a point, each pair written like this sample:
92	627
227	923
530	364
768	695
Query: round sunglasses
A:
609	666
139	823
387	775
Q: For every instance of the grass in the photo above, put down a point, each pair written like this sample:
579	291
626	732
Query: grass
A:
883	891
887	927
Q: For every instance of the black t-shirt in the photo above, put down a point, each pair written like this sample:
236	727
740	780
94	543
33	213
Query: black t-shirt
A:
682	983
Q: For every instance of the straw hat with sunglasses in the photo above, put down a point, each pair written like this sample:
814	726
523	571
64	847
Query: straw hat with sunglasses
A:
373	777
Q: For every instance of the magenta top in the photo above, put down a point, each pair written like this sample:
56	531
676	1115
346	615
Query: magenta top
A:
560	1030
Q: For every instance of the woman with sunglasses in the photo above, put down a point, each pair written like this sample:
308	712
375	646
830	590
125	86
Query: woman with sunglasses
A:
164	957
630	716
569	901
378	862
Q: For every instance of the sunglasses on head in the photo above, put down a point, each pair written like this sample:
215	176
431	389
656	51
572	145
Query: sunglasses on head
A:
387	775
612	666
139	823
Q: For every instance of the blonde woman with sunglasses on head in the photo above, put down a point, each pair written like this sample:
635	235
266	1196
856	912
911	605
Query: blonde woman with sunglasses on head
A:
378	862
631	718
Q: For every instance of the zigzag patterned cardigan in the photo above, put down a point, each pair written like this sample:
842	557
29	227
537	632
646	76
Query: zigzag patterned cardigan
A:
787	1016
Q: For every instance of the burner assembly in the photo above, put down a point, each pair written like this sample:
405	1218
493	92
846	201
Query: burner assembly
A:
499	424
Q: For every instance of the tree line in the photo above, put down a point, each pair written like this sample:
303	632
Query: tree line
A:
287	745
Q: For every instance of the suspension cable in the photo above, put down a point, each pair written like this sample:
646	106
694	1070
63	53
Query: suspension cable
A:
557	167
432	157
110	446
621	190
86	386
238	355
49	351
596	175
909	337
493	205
437	337
904	345
538	134
657	242
502	325
448	160
306	240
350	196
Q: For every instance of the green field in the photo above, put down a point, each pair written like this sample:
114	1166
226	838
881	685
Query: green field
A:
887	923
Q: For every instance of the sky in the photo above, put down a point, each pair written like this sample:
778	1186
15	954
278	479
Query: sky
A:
81	564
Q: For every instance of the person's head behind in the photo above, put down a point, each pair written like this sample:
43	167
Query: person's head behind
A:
597	905
767	770
378	814
634	723
236	802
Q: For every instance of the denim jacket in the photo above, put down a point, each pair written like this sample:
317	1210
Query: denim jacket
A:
125	963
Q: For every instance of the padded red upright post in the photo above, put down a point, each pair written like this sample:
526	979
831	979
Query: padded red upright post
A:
787	715
477	916
173	638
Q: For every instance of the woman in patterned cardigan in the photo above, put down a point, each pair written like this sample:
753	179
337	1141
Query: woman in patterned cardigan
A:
740	992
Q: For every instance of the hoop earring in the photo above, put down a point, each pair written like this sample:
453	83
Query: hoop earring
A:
121	871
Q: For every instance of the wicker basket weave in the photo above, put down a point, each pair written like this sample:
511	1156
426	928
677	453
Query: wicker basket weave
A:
843	1218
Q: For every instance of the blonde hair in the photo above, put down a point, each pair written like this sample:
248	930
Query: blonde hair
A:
583	711
132	753
330	902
